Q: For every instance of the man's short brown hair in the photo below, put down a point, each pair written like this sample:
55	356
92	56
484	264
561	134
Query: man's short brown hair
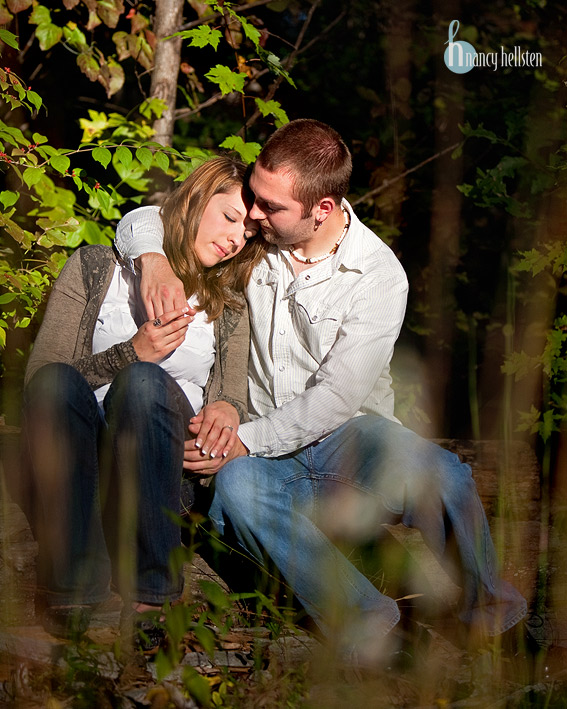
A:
315	156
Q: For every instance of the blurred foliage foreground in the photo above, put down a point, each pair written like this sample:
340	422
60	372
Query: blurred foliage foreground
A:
483	168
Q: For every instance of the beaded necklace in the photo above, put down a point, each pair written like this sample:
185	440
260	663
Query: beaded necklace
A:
318	259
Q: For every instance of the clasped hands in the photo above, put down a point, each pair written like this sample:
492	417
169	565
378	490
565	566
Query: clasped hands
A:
215	442
214	428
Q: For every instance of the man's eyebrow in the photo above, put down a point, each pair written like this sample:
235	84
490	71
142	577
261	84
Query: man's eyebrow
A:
270	203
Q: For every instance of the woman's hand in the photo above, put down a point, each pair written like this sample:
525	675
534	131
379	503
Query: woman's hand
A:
215	427
157	338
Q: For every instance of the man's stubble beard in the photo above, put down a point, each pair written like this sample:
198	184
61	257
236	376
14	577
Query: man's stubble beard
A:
273	237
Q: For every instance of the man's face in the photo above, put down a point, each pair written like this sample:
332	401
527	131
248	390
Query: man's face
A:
279	214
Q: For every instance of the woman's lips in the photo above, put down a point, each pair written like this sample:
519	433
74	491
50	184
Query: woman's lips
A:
220	250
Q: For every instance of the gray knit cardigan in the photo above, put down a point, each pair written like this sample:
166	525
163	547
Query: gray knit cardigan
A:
66	333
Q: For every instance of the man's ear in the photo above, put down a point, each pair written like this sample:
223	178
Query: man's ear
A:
324	209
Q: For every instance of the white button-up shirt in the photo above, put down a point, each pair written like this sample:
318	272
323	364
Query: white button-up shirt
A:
321	342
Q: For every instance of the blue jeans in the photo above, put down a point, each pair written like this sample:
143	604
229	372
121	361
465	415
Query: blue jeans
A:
103	482
369	471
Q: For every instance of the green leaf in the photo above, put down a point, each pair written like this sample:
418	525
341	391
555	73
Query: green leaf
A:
144	155
102	155
274	64
35	99
250	31
60	163
247	151
201	36
8	198
7	298
8	38
548	425
163	664
227	80
214	594
40	16
124	155
273	108
153	107
162	160
520	364
197	686
91	233
38	138
32	175
74	36
207	639
48	35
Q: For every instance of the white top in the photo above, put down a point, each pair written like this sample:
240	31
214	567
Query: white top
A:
321	342
123	312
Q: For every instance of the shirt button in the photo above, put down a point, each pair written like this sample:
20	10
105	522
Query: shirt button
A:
282	332
307	277
281	368
315	317
259	281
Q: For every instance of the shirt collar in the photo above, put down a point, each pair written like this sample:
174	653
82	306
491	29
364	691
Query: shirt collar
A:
350	253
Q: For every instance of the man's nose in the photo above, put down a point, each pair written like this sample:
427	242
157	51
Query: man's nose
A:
256	213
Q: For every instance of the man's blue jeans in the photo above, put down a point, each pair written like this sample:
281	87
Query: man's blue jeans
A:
369	471
103	482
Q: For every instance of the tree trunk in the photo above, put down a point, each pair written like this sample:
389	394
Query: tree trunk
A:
168	19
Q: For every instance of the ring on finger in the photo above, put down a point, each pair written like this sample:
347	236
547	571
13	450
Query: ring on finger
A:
229	427
157	322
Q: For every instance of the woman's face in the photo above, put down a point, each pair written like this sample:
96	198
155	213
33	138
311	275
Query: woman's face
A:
224	229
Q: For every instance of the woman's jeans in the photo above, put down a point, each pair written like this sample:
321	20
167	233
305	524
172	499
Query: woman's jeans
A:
105	481
368	472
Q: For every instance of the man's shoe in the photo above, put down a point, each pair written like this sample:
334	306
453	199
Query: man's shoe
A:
530	638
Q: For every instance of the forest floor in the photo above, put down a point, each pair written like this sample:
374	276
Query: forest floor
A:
233	653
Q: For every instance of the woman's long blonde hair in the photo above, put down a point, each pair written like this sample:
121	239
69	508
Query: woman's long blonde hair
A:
221	285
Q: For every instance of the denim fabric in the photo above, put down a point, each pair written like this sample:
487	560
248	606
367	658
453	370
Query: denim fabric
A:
368	472
104	481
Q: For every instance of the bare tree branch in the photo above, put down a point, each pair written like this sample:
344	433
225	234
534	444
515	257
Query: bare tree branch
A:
320	36
215	15
186	112
287	63
388	183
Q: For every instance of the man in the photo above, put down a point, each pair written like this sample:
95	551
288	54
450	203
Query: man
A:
323	458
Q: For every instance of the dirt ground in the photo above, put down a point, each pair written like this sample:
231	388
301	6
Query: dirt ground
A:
256	668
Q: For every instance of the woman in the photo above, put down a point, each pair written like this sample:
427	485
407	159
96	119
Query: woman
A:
109	399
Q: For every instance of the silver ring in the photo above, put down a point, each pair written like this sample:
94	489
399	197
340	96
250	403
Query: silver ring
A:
231	427
157	322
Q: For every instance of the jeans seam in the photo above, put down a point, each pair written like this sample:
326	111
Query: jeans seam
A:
344	481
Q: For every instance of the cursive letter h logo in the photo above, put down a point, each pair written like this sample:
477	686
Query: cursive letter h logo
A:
459	56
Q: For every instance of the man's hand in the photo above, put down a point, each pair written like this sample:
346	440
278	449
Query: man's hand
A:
160	288
196	461
215	427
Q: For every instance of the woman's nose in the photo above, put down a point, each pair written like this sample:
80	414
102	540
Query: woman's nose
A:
236	236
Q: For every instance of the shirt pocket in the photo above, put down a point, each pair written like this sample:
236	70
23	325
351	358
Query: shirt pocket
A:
316	325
